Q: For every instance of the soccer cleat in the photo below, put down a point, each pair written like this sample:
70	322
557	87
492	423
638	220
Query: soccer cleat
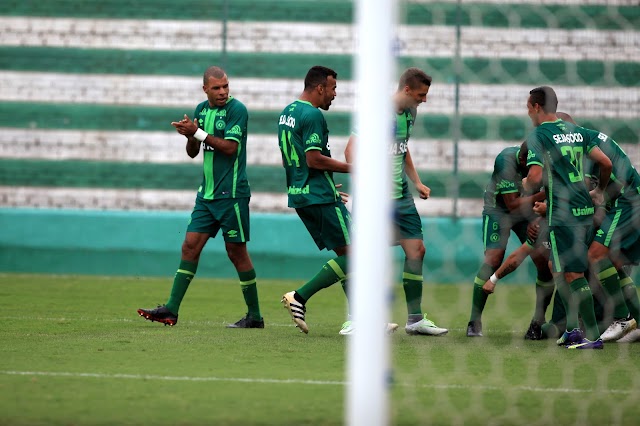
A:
474	329
348	327
618	329
297	311
159	314
425	326
247	322
534	332
570	337
391	327
630	337
587	344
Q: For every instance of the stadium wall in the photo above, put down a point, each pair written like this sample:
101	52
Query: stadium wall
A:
97	84
121	243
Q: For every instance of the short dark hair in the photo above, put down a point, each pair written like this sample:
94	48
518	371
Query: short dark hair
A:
546	97
523	152
413	77
318	75
213	71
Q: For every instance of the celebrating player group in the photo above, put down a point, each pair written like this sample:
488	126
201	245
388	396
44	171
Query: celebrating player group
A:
567	192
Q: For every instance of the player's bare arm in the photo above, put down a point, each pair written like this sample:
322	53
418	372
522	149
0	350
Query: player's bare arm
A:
540	208
600	158
316	160
343	195
189	128
533	180
412	174
515	202
512	262
193	146
349	149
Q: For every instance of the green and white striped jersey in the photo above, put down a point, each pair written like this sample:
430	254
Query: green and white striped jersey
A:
224	176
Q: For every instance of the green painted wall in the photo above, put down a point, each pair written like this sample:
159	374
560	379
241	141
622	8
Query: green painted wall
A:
148	244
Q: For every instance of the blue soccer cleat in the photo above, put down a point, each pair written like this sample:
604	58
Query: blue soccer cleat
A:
587	344
570	337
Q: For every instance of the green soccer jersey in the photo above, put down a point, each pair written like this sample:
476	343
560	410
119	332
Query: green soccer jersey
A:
224	176
302	128
505	179
623	172
559	147
398	151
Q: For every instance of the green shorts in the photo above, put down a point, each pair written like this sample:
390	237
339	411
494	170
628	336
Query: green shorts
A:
328	224
542	240
407	221
229	214
620	230
569	247
497	227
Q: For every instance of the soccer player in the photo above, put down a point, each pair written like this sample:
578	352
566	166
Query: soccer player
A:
555	158
618	232
303	137
537	242
615	228
413	88
222	203
507	208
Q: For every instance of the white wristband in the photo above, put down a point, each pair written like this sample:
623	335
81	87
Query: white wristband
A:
494	279
200	135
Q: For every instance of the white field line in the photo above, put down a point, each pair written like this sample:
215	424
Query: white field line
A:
304	382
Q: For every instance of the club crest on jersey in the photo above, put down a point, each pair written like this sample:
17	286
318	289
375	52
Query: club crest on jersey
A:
505	184
235	130
220	124
313	139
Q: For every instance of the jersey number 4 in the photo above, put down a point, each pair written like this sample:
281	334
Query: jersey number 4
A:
288	150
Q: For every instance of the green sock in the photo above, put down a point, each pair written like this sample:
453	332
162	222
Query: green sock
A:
412	284
544	293
479	299
331	272
568	301
345	289
558	313
582	293
551	330
181	281
608	277
630	294
250	293
558	324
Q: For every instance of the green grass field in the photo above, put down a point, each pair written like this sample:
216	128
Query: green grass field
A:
75	352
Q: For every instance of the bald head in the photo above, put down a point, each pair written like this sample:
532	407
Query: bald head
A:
565	117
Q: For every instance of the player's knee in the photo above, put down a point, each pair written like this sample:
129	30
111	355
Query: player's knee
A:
597	252
237	253
494	258
190	251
